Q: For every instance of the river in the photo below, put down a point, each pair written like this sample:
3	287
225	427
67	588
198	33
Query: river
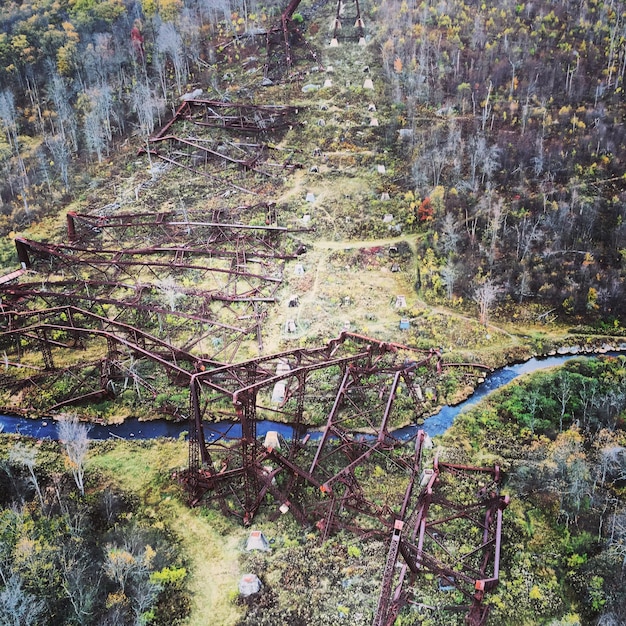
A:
134	429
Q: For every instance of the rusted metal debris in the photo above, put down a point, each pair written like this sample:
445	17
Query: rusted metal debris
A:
186	140
357	389
281	42
223	226
211	277
452	529
246	118
352	386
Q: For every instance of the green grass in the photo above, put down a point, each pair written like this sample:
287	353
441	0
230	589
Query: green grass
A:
210	545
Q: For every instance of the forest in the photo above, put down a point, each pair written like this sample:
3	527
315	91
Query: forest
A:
451	174
517	176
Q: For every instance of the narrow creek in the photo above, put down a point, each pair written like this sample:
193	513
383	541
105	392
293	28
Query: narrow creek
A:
132	428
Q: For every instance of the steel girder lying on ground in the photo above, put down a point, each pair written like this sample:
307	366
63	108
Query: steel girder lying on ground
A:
247	118
259	275
186	141
190	227
67	329
218	276
452	529
281	43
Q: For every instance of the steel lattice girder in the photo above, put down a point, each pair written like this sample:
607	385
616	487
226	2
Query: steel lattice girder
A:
249	118
195	327
457	540
194	151
70	323
229	284
131	261
193	229
66	328
241	266
320	486
366	376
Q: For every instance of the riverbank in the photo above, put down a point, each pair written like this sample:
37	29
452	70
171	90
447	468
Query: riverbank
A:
434	424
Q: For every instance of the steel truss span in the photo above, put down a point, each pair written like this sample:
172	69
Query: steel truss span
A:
449	525
189	140
355	389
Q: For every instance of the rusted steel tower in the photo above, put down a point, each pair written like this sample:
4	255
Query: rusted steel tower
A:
452	529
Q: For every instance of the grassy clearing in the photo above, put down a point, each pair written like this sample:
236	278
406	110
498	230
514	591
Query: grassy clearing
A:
210	544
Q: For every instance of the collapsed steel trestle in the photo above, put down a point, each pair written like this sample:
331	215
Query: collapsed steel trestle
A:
186	141
211	277
453	529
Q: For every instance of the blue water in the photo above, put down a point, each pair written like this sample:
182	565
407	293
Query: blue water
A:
134	429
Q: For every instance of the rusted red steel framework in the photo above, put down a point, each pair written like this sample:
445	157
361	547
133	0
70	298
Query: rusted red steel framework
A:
186	140
357	381
191	227
458	539
359	28
318	483
247	118
67	328
365	375
232	272
281	41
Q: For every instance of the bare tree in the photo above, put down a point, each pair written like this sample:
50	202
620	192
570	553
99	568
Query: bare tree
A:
8	118
130	568
497	216
170	44
74	437
485	295
612	463
449	274
532	406
94	135
18	607
563	391
61	155
170	292
97	124
617	538
79	583
588	392
449	234
64	124
24	455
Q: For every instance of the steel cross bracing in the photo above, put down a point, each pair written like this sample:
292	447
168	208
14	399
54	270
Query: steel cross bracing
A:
362	386
203	289
354	384
235	269
281	43
66	329
192	228
248	118
452	529
194	328
186	139
224	271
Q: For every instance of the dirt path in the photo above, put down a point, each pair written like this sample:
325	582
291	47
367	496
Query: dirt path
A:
328	244
215	571
213	558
